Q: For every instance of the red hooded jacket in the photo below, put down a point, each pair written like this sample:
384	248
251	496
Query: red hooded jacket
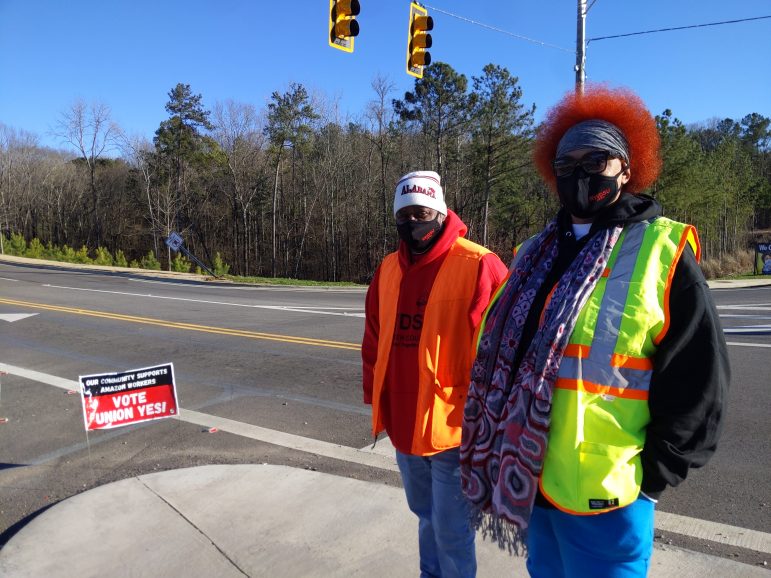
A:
399	398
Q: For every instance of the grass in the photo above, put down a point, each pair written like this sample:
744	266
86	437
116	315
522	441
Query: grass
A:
736	276
287	281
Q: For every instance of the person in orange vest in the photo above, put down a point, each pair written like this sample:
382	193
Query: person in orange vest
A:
422	308
601	370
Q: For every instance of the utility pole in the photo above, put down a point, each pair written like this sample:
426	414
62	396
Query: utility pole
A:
581	47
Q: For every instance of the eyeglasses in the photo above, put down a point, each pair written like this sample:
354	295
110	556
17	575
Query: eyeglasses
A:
592	163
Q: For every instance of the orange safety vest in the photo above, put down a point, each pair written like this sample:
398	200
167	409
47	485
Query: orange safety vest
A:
445	351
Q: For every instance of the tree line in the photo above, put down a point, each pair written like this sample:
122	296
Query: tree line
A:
292	190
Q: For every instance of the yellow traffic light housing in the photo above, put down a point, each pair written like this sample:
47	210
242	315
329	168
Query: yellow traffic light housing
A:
342	23
418	40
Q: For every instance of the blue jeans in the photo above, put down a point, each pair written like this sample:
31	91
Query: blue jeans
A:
617	544
446	539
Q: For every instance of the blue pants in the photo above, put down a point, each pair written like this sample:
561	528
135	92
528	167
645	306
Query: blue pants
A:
617	544
434	495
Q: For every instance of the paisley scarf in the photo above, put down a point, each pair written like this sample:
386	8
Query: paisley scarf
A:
507	413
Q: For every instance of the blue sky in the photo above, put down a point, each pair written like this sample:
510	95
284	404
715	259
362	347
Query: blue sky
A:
129	54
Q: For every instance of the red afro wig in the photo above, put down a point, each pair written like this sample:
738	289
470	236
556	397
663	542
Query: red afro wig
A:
620	107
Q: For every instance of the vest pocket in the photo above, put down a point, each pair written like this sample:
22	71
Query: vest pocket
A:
607	473
449	405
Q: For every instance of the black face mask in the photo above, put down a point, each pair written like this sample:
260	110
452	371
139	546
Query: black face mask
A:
419	235
585	195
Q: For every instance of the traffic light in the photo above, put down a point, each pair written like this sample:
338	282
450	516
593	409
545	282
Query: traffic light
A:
418	40
342	23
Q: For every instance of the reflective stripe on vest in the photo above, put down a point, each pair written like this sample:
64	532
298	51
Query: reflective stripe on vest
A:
445	350
596	369
599	406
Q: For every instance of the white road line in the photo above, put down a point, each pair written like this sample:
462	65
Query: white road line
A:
714	532
741	316
288	288
383	458
384	447
11	317
304	307
270	307
740	344
747	329
6	279
291	441
60	382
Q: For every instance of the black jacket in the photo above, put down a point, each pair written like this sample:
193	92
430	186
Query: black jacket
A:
690	371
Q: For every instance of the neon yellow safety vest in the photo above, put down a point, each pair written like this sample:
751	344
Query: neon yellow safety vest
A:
600	399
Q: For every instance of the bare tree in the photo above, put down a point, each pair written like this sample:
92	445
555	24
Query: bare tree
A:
138	151
239	132
289	126
381	116
89	129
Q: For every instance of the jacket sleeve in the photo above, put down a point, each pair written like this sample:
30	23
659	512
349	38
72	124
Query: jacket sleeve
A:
371	333
492	271
689	385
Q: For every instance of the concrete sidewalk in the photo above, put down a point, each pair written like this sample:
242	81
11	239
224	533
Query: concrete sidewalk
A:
257	520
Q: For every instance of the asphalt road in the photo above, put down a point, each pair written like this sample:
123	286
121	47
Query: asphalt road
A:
286	359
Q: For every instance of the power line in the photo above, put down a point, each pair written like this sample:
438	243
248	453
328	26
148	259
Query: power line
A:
590	7
588	40
677	28
506	32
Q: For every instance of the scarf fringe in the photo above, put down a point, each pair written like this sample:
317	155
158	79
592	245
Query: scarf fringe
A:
507	535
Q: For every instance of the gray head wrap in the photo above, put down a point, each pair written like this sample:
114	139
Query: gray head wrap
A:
594	134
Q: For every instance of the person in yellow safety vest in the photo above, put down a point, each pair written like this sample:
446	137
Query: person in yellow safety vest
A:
422	308
601	367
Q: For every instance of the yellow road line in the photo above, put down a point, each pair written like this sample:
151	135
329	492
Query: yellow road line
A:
187	326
